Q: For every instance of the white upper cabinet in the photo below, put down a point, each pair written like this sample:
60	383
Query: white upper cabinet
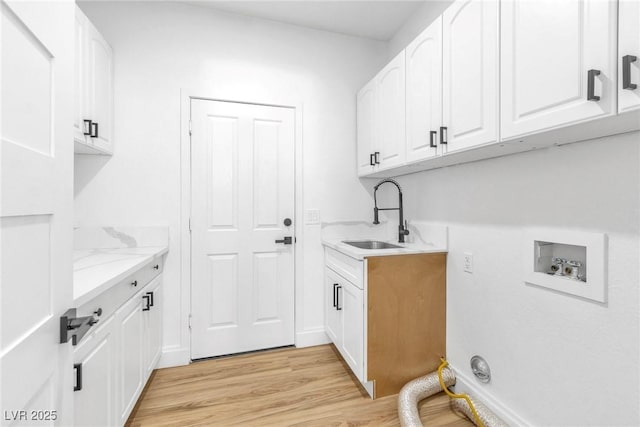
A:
558	63
390	113
366	107
470	74
424	93
628	55
93	119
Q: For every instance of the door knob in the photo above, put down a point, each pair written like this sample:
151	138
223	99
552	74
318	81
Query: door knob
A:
287	240
287	222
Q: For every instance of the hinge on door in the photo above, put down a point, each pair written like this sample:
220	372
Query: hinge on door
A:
189	321
189	225
190	127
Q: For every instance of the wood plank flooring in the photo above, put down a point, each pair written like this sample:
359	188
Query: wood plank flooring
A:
288	387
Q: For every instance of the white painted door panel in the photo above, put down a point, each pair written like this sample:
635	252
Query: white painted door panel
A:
36	182
470	74
548	47
366	128
424	92
242	190
350	302
629	45
390	113
332	314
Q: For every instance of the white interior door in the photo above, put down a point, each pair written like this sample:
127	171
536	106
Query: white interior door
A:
242	192
36	156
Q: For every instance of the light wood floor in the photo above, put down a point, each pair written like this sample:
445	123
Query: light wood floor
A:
289	387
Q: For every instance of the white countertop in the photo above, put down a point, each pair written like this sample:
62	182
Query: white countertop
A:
96	270
360	254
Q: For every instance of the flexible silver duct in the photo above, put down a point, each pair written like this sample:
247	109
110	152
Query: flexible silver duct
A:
423	387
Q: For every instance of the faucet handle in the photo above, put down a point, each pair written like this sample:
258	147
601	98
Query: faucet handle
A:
405	230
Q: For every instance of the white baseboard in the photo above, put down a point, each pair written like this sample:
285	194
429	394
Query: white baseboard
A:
465	384
311	338
174	356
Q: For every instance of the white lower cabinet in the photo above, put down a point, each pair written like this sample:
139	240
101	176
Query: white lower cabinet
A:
345	320
129	322
113	364
95	384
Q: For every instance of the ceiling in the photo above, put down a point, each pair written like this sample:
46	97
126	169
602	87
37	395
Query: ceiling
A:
377	19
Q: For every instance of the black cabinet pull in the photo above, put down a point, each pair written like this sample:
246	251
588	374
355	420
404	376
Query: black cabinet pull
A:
335	304
443	135
376	156
87	127
134	283
626	72
371	161
146	301
150	298
338	297
432	139
156	267
94	130
78	368
591	83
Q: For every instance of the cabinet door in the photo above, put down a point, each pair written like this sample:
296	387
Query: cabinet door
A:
100	88
350	302
548	50
129	325
152	325
390	113
424	92
366	128
628	55
94	402
332	314
79	77
470	74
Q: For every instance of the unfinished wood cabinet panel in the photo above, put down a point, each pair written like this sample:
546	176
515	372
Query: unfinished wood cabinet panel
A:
406	318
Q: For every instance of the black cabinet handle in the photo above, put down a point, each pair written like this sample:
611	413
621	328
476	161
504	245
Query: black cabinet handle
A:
87	127
146	301
134	283
94	130
78	368
376	156
150	298
443	135
335	304
591	83
626	72
156	267
432	139
371	161
338	297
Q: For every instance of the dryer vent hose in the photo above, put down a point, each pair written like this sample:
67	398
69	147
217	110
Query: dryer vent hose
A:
423	387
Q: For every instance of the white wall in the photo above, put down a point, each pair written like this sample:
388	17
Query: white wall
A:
160	48
416	24
556	360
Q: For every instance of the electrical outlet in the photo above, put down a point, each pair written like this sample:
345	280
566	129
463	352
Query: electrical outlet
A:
468	262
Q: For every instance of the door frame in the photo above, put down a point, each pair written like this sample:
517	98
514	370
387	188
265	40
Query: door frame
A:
183	354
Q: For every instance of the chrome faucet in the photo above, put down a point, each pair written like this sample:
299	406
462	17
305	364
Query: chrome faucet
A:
402	227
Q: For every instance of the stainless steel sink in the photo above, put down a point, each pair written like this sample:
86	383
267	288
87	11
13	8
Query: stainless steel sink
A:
371	244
